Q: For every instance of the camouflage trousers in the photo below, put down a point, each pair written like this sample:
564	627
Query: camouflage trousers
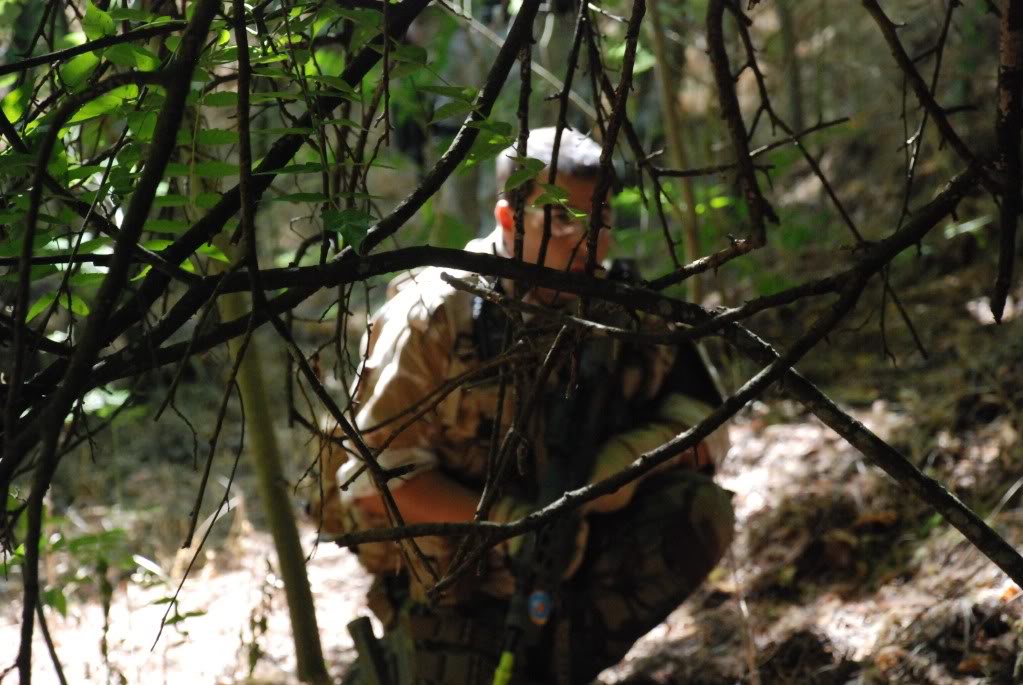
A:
641	562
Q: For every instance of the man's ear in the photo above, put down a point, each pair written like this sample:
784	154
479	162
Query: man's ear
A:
505	216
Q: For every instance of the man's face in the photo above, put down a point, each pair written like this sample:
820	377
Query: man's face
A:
567	249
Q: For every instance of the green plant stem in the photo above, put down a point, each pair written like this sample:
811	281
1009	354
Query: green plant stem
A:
273	493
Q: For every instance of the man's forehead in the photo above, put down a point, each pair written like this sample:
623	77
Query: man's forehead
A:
570	183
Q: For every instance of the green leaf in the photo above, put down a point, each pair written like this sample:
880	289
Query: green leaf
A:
133	56
644	61
34	273
528	169
105	103
451	109
403	70
97	23
13	104
53	220
91	246
207	200
40	306
71	39
224	98
12	248
86	280
58	163
352	224
413	54
170	200
214	252
11	216
488	144
552	195
274	95
629	199
129	155
54	597
78	69
495	126
86	171
107	539
366	18
125	14
217	136
329	62
181	617
74	303
270	58
334	82
273	72
215	169
15	162
157	244
142	124
454	92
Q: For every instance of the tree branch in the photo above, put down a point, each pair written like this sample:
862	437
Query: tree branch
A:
98	44
460	146
759	209
179	75
923	93
1007	129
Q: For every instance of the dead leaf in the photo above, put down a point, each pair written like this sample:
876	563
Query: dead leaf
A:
971	665
889	658
1011	592
885	519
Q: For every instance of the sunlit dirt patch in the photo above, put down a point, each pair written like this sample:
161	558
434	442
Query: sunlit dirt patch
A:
243	636
838	576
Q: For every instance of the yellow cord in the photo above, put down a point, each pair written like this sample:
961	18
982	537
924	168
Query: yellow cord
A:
505	667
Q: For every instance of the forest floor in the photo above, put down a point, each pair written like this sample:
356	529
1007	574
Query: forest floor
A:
836	576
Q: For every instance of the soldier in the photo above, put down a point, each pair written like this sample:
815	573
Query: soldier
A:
639	551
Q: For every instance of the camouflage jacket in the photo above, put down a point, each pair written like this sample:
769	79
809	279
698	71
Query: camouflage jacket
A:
427	397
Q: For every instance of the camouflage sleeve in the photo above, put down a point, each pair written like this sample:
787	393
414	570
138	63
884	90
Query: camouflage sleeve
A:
405	357
676	413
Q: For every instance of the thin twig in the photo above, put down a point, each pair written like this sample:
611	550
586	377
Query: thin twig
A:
91	46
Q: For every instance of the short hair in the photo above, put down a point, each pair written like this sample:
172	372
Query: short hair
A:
578	155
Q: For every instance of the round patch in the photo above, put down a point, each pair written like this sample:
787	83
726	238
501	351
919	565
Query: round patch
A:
541	604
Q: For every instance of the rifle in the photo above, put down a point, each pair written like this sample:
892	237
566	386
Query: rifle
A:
371	656
547	552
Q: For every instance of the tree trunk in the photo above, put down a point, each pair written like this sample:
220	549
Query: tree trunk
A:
273	493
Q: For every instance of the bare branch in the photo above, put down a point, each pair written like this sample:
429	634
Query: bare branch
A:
923	93
1007	129
759	209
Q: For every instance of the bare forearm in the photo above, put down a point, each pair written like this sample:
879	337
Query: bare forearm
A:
430	497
